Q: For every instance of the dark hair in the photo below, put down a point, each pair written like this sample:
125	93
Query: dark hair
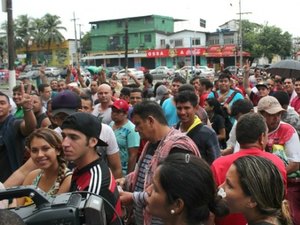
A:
86	98
8	217
133	90
179	79
207	83
242	106
149	77
186	96
249	128
197	190
186	87
42	87
5	95
213	102
194	78
125	91
224	76
150	108
282	97
261	179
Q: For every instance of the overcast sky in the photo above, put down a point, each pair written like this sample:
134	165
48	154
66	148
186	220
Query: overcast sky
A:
283	14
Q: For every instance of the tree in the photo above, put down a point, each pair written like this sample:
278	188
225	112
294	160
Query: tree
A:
267	41
86	43
52	27
24	31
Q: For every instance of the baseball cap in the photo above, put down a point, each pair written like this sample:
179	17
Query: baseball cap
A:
160	92
269	104
85	123
66	101
121	104
262	84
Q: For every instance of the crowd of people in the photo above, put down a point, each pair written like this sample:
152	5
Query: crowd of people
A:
198	152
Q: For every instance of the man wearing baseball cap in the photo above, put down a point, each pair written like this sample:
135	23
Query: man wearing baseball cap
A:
128	139
283	141
62	105
81	132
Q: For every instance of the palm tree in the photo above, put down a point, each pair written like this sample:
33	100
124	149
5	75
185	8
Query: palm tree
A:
52	26
24	31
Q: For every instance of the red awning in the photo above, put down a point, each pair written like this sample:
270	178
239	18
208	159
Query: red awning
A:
229	51
214	51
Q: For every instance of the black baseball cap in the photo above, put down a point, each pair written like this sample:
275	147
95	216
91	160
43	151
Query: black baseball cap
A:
85	123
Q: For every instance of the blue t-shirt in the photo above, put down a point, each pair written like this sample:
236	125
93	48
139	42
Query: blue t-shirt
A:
236	97
170	112
126	138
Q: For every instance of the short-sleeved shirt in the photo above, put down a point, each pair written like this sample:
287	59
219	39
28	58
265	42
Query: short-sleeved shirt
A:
105	116
127	138
296	104
170	112
97	178
220	167
284	142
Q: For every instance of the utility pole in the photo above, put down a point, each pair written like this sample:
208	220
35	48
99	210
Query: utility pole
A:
241	32
126	45
11	47
80	46
76	45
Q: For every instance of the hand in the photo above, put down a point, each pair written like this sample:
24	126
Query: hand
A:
126	198
42	71
26	102
247	66
121	182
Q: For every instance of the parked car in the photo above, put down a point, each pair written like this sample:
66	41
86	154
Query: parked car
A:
137	73
233	70
161	72
4	75
112	69
52	71
144	69
186	71
33	74
205	69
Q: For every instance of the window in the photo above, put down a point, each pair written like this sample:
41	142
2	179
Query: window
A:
147	38
178	43
162	43
228	41
119	23
196	41
148	20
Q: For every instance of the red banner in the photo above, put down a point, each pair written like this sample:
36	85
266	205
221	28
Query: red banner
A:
173	52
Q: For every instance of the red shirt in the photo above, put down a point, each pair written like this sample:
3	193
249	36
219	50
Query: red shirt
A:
220	167
296	104
203	97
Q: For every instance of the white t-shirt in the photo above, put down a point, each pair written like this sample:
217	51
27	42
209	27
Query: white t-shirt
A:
105	115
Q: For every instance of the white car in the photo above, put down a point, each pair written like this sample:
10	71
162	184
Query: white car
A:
52	71
161	72
137	73
186	71
205	69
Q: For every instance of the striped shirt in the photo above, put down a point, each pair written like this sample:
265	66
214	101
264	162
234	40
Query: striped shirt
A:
97	178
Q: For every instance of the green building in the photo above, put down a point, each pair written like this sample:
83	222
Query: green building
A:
109	37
